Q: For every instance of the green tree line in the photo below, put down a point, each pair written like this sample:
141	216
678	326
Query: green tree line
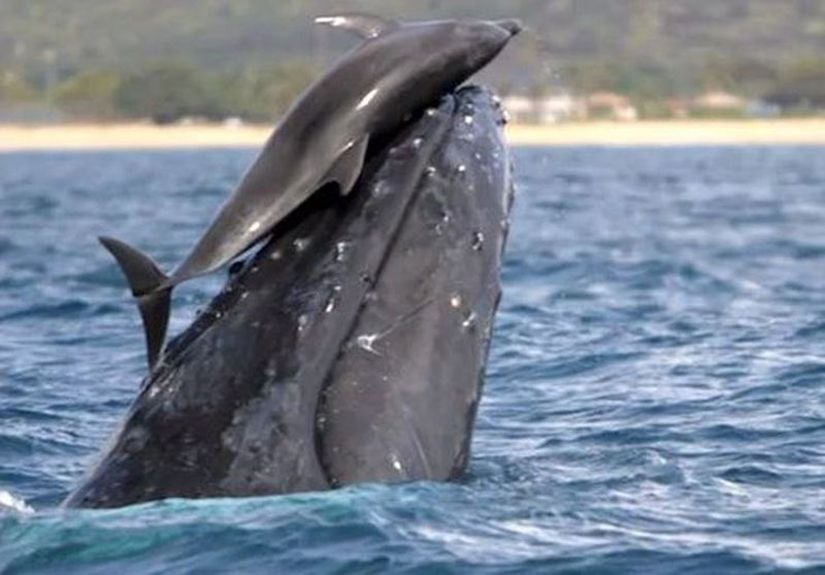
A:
168	92
248	58
796	86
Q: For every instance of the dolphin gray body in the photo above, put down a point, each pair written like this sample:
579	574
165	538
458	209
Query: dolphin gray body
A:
350	348
396	72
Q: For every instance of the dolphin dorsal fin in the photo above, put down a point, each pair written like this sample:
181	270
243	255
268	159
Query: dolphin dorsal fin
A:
364	25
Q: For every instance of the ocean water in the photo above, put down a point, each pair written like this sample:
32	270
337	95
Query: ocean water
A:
655	399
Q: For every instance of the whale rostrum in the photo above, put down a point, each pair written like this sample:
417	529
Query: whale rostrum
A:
350	348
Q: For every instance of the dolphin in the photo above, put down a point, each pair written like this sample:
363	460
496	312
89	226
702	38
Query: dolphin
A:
350	348
395	73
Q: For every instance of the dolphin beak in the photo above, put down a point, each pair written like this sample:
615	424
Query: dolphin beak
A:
512	26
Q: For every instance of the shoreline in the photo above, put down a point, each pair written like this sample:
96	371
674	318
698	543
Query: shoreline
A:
102	137
803	131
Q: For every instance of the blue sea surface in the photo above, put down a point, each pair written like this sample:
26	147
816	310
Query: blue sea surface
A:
655	398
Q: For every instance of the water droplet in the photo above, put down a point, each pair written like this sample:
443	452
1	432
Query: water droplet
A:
300	244
469	321
397	464
332	301
254	227
341	251
431	171
468	119
455	300
478	156
416	143
276	255
461	169
367	342
431	112
380	189
478	241
303	320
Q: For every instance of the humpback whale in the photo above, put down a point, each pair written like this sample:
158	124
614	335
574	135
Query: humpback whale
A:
323	139
351	347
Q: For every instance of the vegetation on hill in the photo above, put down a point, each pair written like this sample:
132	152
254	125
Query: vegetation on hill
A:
248	58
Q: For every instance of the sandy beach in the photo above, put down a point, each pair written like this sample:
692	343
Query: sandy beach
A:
673	133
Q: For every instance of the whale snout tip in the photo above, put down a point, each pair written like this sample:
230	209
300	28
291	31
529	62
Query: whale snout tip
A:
512	26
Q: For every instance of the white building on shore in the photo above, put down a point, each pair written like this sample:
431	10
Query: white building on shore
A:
544	110
564	107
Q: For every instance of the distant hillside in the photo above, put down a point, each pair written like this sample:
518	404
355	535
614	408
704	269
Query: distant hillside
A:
168	59
80	34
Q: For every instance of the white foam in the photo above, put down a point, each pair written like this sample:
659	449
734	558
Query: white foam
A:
10	503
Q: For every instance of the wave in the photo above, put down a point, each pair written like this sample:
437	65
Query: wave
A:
14	505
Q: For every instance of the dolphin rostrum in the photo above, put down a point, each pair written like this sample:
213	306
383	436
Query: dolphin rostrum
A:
396	72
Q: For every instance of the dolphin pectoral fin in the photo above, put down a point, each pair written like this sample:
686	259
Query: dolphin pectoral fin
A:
347	168
147	284
364	25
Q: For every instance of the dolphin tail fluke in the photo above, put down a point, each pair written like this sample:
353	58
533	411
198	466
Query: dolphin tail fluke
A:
149	286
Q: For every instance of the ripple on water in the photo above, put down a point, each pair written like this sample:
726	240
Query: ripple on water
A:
653	402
